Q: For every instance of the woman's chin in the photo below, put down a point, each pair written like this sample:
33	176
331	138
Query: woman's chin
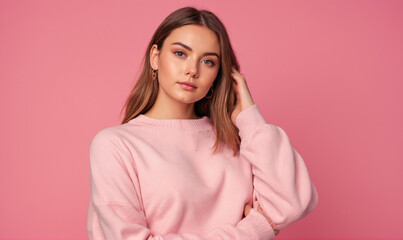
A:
186	99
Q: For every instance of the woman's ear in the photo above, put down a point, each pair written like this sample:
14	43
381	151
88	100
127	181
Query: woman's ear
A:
154	54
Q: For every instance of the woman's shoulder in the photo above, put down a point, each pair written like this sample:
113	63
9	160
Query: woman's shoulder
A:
116	133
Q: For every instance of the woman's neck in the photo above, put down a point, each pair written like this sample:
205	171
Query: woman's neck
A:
168	108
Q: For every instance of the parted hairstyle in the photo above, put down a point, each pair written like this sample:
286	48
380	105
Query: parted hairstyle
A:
220	105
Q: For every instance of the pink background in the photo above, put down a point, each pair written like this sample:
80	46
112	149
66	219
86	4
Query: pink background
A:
328	72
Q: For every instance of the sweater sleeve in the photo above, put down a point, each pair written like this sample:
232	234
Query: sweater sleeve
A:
281	182
118	212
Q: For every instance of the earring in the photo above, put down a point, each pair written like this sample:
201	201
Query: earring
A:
208	97
155	72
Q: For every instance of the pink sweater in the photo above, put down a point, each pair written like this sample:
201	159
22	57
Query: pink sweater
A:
158	179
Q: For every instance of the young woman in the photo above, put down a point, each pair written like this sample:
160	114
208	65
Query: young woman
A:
194	158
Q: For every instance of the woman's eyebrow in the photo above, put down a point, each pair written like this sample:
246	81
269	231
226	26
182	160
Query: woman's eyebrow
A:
190	49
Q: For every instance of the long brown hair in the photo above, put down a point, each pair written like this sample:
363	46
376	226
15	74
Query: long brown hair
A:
221	104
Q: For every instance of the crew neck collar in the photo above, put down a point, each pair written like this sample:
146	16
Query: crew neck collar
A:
203	123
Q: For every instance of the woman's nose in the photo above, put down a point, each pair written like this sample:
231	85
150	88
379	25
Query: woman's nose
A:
192	68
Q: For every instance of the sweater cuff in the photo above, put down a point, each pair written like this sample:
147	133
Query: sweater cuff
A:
249	119
262	227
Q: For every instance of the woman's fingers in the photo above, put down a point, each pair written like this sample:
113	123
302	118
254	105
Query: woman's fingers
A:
259	209
244	98
247	209
238	77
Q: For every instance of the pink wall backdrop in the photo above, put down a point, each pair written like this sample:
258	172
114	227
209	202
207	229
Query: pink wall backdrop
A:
328	72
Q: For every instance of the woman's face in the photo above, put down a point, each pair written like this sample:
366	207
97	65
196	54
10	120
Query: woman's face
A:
187	63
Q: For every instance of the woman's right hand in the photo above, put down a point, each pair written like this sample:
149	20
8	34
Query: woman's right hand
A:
259	209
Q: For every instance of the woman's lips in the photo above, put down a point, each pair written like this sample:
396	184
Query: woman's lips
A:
187	86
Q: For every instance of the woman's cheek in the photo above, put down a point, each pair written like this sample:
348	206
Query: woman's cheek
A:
213	76
175	67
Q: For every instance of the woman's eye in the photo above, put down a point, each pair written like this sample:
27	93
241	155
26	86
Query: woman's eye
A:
180	54
211	63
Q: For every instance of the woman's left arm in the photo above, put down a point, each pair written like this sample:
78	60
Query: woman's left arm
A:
282	186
